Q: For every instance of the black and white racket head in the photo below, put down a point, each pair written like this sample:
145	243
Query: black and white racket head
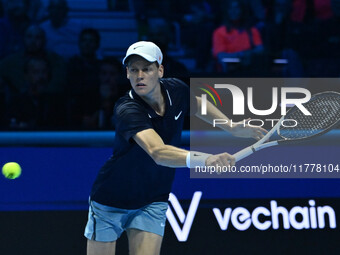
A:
325	115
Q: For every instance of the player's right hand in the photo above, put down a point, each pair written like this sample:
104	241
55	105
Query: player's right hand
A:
223	159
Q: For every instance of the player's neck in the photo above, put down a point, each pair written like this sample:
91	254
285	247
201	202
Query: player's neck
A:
156	100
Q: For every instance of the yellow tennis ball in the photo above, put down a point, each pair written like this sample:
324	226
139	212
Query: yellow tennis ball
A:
11	170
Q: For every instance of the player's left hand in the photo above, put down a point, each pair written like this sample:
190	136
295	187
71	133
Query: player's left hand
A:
242	129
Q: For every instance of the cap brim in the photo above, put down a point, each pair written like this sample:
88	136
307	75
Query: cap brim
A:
145	56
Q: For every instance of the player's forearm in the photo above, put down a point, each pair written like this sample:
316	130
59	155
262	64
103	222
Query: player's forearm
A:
213	113
167	155
170	156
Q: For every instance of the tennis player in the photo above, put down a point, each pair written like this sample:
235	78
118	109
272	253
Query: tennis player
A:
131	190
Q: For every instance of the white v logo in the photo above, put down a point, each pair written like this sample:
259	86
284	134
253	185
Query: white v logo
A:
182	234
177	116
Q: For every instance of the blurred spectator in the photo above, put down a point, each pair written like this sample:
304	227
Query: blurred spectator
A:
95	109
278	40
37	11
34	108
198	21
99	111
313	23
62	32
83	73
258	13
83	69
161	35
112	79
316	34
173	67
308	10
12	26
236	39
12	67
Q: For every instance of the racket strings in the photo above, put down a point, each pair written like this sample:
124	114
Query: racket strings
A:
325	112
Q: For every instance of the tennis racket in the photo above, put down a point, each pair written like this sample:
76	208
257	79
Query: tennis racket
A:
295	126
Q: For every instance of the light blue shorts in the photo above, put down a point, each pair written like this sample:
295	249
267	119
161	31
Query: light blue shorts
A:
106	223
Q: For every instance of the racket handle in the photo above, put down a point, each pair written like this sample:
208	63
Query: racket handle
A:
243	153
251	149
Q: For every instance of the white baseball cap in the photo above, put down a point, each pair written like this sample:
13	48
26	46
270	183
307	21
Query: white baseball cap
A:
148	50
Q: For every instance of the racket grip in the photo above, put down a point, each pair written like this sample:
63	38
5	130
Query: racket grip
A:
243	153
